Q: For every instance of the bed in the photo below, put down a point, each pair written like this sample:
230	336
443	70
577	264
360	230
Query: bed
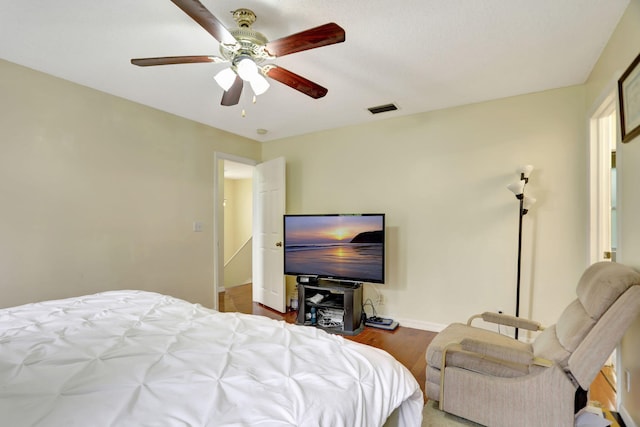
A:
135	358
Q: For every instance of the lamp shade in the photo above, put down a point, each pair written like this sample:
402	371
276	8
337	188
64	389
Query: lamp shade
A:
225	78
259	84
247	69
517	187
525	170
528	202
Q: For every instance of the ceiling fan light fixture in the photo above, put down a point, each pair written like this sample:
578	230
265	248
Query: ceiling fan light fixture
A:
225	78
259	84
247	69
247	49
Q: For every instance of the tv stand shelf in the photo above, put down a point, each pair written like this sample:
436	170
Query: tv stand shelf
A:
339	310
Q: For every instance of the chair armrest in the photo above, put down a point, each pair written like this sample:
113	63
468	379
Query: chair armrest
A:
501	353
507	320
497	352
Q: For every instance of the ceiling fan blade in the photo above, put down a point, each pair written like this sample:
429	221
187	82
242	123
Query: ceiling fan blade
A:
232	96
168	60
202	16
310	39
295	81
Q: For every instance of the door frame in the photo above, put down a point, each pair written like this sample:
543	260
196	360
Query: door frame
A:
218	217
599	177
605	105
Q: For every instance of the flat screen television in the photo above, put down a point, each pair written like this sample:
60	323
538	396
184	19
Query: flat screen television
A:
345	247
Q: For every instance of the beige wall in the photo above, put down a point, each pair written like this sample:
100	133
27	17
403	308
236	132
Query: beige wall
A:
452	225
622	48
101	193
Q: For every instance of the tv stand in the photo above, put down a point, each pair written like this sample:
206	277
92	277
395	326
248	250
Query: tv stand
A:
331	305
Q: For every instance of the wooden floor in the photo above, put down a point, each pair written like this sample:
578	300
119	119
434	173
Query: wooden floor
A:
407	345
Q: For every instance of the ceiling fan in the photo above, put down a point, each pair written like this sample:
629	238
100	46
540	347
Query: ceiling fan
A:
247	49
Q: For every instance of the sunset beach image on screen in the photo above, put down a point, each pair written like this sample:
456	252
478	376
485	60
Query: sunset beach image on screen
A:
345	247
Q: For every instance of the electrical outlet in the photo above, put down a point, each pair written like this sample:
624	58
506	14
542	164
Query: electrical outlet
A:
627	378
380	299
198	226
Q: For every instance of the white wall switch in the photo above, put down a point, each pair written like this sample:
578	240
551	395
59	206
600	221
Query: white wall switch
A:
198	226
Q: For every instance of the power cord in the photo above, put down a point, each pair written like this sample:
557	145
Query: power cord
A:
378	294
369	303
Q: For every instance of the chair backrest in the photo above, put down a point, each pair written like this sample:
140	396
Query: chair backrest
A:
599	287
591	326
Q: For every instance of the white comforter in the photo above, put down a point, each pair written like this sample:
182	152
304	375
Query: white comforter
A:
132	358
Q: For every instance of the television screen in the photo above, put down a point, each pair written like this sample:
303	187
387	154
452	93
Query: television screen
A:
337	246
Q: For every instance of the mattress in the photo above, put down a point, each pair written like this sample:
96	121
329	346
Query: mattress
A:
134	358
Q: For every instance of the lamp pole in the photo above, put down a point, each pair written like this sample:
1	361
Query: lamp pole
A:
520	214
524	203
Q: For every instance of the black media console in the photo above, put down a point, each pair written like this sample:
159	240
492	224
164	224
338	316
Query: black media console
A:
331	305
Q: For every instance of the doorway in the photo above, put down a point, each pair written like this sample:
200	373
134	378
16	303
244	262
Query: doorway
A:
268	198
237	219
233	219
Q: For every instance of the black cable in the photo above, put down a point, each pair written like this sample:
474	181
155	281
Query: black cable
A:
368	302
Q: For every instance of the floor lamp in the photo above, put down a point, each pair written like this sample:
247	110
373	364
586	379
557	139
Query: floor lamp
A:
525	203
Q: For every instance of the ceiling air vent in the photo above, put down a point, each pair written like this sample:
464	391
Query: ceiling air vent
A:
382	108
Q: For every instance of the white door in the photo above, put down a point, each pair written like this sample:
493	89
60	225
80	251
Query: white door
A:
268	251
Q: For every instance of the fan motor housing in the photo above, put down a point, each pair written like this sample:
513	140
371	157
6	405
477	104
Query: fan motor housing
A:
250	42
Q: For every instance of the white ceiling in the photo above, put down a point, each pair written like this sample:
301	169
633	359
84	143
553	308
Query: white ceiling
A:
421	55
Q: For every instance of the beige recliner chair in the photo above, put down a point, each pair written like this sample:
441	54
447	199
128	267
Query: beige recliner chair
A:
495	380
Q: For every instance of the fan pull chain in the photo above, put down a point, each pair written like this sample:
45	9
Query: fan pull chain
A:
244	113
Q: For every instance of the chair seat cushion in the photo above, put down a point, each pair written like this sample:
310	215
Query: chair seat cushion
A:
456	332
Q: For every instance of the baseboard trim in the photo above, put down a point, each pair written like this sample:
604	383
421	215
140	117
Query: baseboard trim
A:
626	417
419	324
